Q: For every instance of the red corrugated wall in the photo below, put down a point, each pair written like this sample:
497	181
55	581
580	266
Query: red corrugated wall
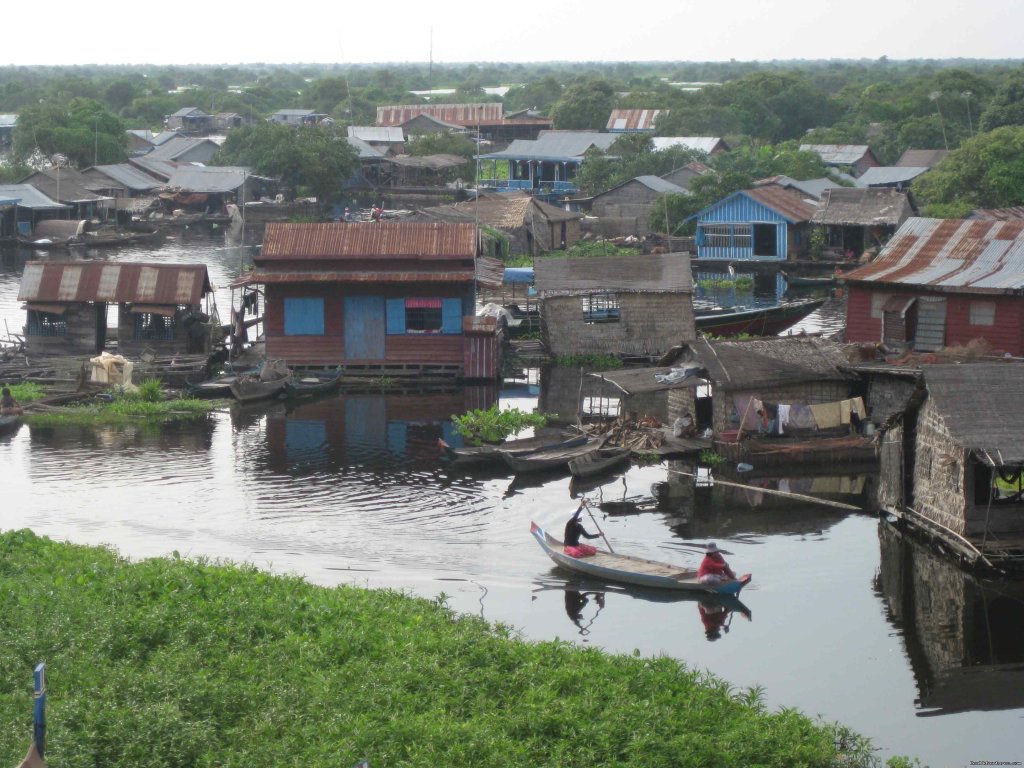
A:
860	325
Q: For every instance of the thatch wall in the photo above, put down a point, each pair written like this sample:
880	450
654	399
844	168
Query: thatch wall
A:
940	477
887	395
808	393
649	325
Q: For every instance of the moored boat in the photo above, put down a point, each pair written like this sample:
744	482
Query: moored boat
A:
764	321
552	458
626	569
9	423
597	463
314	383
492	453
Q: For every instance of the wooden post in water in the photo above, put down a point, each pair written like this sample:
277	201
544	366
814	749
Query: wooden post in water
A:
39	708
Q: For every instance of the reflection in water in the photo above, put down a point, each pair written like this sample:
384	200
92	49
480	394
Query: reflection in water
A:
962	634
576	602
716	615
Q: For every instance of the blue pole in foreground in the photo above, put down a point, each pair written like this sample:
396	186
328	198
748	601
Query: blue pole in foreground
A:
39	708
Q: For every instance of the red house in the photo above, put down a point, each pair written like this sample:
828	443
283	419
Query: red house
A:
380	298
941	282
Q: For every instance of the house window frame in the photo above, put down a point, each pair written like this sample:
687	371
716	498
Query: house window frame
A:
982	313
424	316
146	328
47	324
601	307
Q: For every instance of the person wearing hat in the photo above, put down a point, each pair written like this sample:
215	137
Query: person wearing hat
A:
573	531
713	569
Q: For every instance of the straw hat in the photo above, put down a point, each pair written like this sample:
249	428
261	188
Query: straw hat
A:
712	548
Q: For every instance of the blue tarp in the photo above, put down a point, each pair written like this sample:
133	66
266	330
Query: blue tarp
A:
519	275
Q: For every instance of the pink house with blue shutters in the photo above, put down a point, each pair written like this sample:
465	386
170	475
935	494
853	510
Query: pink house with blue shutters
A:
381	298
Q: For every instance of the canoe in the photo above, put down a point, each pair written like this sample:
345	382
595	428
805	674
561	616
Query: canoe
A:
551	458
481	454
219	387
9	423
626	569
252	389
765	321
598	462
312	384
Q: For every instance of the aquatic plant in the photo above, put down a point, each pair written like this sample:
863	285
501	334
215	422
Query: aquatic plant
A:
711	459
494	424
123	409
27	391
170	662
739	283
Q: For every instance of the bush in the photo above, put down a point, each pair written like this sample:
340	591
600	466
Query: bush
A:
493	424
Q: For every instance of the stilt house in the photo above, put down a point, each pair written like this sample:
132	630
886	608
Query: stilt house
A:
952	461
383	298
159	307
627	306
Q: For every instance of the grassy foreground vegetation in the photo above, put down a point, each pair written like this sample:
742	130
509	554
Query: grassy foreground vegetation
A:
169	662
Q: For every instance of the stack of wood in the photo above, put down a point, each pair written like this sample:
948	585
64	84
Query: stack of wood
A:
639	434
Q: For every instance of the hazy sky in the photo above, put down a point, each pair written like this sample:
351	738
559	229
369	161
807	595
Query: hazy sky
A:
62	32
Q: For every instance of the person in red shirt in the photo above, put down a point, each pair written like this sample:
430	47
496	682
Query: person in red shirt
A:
713	569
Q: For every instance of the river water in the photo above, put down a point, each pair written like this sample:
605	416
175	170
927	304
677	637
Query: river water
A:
847	619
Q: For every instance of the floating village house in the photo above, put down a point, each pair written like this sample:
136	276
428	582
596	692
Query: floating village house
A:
942	282
767	223
533	226
189	120
857	219
22	206
633	120
546	166
630	306
857	157
951	463
625	208
386	298
296	117
160	307
487	119
70	187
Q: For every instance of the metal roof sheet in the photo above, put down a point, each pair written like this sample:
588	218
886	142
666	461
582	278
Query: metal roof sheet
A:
268	277
28	196
208	179
707	144
467	115
979	403
837	154
369	240
633	119
951	254
177	146
391	134
922	158
656	273
792	204
189	111
502	211
162	169
882	175
430	162
66	185
1013	213
8	121
79	281
364	150
554	145
129	177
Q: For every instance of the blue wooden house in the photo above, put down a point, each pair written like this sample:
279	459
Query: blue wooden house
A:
767	223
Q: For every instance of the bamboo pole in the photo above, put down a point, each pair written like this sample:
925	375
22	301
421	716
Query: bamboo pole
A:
594	521
787	494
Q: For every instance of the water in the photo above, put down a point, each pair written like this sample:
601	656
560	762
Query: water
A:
848	620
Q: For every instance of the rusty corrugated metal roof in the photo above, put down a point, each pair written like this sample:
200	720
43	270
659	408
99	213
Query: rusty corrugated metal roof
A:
633	119
261	276
951	254
794	205
369	240
78	281
1013	213
466	115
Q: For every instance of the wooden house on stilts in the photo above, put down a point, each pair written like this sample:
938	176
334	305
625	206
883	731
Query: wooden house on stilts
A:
380	299
952	461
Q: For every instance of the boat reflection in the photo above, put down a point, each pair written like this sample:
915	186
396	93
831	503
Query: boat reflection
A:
962	633
586	599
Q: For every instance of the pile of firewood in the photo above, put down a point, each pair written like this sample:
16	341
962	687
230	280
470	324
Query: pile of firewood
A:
637	434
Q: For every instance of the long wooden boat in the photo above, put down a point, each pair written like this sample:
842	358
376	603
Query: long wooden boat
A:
765	321
626	569
312	384
598	462
252	389
551	458
481	454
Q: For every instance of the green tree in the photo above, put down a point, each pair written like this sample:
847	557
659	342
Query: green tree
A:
540	95
312	159
985	172
585	105
83	130
1007	105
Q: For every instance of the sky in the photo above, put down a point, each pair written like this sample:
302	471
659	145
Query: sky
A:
320	31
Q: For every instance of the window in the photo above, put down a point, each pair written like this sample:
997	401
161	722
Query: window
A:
423	316
600	308
150	326
304	317
46	324
983	313
726	235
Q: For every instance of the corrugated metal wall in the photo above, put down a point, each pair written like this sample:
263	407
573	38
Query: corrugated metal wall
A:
743	210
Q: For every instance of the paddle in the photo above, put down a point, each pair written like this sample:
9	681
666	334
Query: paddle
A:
594	521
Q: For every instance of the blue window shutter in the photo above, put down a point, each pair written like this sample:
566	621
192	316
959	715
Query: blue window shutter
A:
396	316
304	317
700	235
451	316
